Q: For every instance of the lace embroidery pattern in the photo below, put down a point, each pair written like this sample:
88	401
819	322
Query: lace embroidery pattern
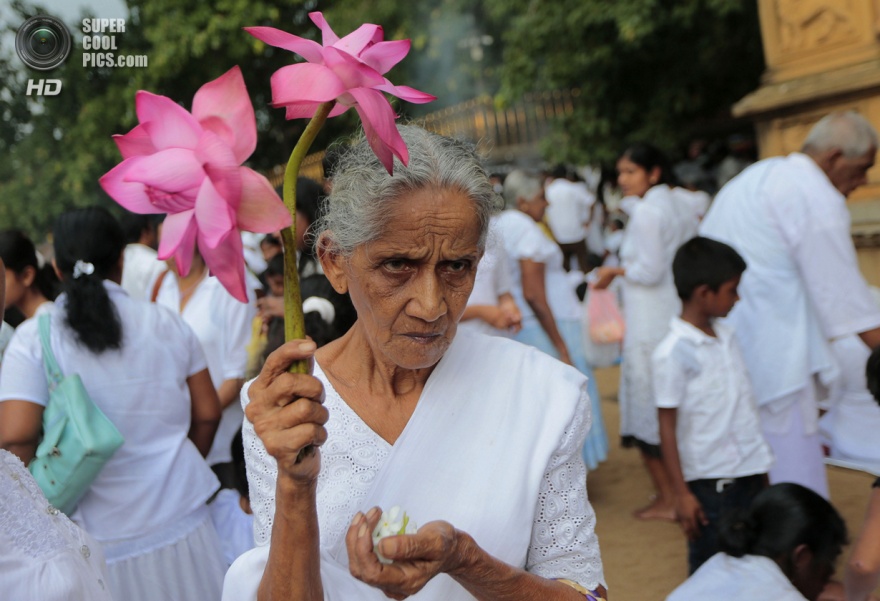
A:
27	520
563	545
564	542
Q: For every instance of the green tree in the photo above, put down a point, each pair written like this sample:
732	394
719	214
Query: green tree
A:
654	70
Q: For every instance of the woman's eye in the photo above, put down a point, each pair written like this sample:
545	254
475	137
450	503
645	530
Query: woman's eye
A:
395	265
459	266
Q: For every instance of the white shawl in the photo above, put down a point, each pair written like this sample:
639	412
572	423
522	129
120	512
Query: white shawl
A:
474	453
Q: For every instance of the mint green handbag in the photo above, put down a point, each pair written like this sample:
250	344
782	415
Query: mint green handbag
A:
78	439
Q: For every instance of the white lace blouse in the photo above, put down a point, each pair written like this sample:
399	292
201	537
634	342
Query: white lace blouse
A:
563	541
43	555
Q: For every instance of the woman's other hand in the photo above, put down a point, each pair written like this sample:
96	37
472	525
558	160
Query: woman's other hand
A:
511	312
287	412
417	558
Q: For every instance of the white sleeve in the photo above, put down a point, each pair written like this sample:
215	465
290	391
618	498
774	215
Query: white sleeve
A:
22	376
564	542
262	473
827	262
649	265
503	282
668	378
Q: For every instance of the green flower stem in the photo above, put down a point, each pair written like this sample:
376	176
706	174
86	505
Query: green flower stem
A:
294	327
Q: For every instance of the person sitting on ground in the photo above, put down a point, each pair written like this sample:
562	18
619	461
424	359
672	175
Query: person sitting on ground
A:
863	567
782	548
404	411
710	435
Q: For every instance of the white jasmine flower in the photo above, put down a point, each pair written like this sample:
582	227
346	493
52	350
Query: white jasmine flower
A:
393	522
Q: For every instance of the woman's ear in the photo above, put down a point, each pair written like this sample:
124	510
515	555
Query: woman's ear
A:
654	176
57	271
332	262
28	275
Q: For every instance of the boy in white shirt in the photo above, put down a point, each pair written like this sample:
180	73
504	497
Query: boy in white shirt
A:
710	434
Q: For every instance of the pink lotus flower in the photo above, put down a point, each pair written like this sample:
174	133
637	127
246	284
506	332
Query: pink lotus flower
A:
348	70
189	166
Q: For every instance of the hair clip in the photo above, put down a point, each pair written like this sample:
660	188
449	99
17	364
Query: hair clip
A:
82	268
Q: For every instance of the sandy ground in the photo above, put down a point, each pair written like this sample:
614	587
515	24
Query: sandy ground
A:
645	561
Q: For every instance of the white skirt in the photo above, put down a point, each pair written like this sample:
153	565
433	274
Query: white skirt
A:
182	562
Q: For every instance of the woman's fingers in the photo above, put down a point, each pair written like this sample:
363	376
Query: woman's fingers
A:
280	360
417	558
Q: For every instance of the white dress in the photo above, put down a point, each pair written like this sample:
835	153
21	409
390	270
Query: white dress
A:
223	326
660	223
726	578
43	555
147	505
512	433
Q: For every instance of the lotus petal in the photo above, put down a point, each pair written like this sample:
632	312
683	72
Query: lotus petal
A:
214	216
406	93
131	195
309	50
382	56
226	98
137	142
168	124
172	170
305	82
226	263
378	119
179	232
261	209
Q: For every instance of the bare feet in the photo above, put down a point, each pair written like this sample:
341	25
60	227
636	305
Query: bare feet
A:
656	510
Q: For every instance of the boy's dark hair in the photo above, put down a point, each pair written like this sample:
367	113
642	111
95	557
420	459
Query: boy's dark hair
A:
134	224
704	262
872	373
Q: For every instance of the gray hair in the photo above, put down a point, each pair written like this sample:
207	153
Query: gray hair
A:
847	131
359	204
520	184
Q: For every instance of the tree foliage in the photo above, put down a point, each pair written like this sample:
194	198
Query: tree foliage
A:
653	70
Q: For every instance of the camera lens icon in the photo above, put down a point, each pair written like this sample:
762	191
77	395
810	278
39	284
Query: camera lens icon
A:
43	42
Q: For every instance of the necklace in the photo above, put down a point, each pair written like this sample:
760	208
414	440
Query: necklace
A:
185	293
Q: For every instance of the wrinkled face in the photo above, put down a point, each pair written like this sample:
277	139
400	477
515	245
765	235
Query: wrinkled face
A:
536	206
411	285
633	179
720	302
847	174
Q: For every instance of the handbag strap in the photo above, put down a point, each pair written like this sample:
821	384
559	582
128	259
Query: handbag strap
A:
53	372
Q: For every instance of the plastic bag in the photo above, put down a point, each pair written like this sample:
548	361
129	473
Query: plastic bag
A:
606	322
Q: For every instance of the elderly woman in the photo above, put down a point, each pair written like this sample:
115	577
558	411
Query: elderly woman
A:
476	437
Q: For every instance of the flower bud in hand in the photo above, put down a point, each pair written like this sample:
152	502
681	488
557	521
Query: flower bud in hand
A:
392	523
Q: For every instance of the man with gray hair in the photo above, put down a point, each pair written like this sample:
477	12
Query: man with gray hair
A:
787	217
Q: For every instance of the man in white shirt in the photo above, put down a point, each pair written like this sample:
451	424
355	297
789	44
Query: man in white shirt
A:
787	216
568	213
141	265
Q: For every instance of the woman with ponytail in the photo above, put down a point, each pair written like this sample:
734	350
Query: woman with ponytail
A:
30	283
144	368
783	548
